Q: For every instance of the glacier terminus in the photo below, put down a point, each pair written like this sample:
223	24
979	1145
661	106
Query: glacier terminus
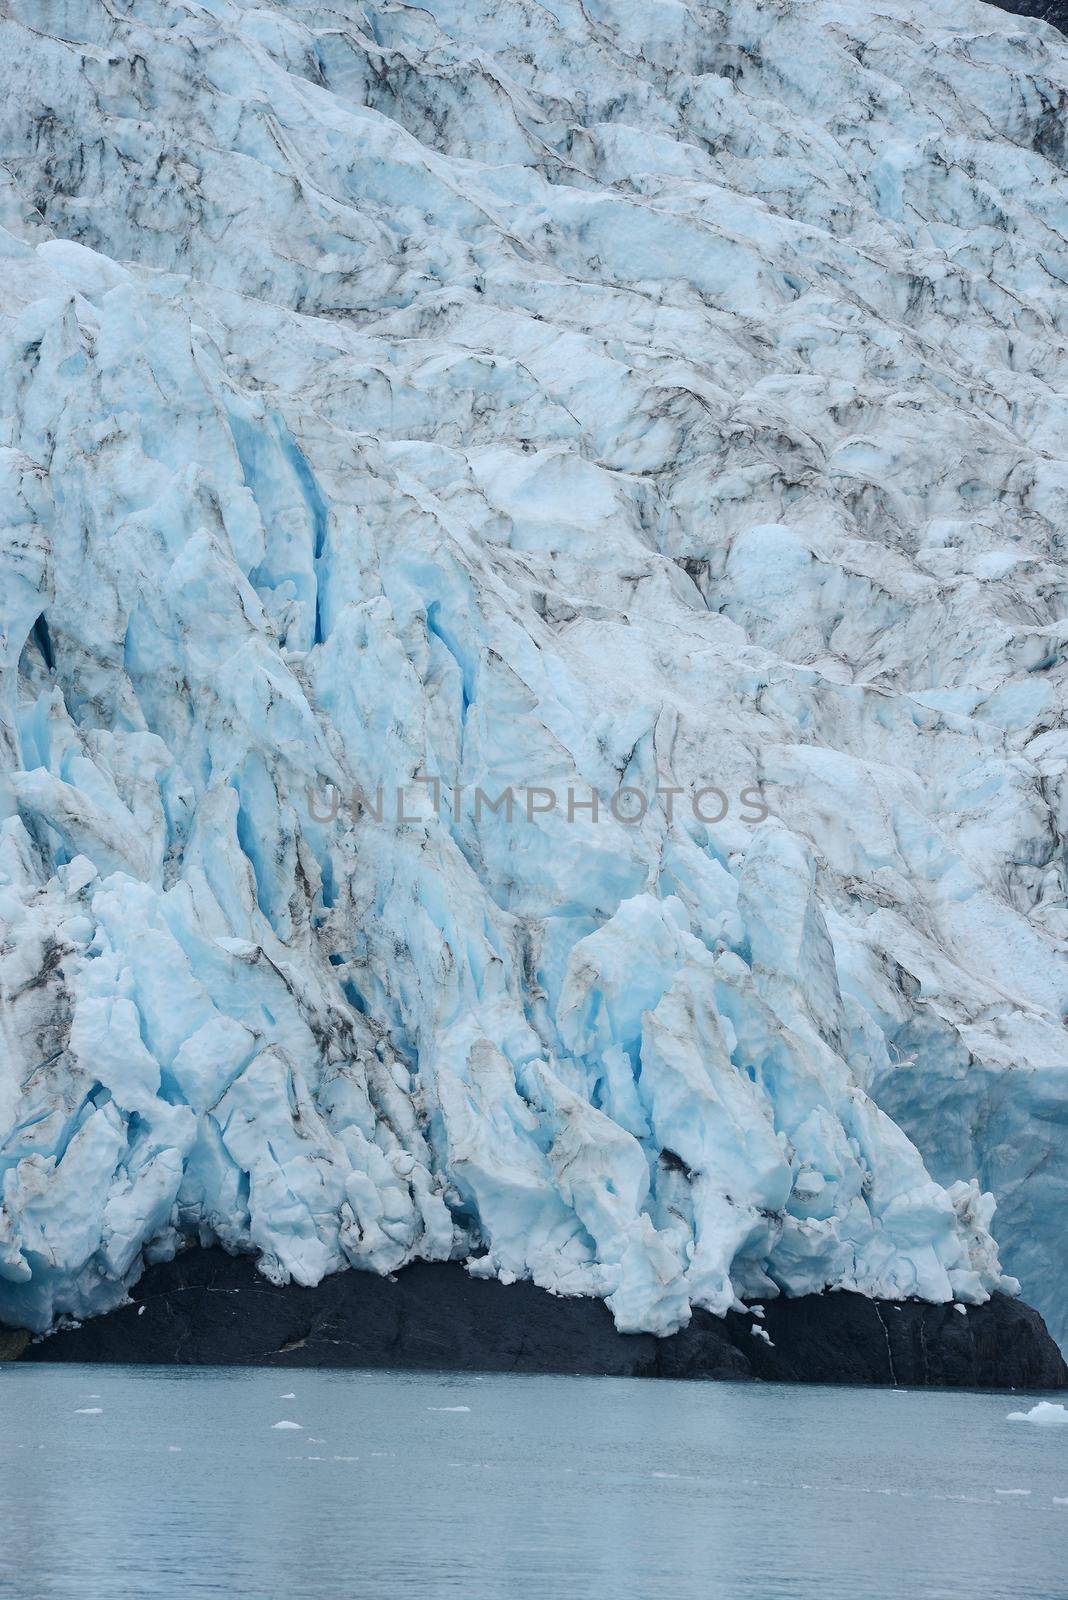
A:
583	398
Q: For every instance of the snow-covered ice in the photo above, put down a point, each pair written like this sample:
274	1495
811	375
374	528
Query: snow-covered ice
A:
658	397
1046	1414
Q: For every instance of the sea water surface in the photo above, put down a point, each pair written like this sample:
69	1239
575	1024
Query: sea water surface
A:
147	1482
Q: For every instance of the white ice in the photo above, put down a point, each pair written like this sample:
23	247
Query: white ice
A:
1045	1414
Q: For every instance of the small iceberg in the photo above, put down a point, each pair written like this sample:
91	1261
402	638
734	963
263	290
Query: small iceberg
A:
289	1425
1044	1415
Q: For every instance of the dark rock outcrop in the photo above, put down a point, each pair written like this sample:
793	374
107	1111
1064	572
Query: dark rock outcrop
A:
13	1342
205	1307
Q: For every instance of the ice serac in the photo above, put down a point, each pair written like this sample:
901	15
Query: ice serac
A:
1052	11
567	398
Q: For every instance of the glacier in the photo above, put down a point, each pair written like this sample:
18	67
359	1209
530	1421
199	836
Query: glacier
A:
418	403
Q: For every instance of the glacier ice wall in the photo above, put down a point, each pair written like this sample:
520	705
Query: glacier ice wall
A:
578	396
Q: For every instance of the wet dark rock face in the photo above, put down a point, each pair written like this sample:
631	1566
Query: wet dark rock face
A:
206	1308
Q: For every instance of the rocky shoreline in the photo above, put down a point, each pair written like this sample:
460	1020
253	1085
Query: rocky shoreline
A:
209	1308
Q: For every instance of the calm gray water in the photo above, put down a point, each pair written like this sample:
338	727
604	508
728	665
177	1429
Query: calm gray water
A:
602	1489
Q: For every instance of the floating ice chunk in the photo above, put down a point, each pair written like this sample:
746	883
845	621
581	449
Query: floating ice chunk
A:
1012	1491
448	1408
1044	1415
89	1411
287	1425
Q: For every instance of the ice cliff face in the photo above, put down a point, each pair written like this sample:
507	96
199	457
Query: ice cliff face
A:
565	397
1054	11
